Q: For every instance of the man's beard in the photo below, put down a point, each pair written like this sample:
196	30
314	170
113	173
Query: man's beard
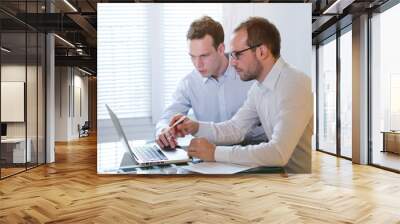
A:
253	73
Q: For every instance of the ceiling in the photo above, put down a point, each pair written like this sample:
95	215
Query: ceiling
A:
76	21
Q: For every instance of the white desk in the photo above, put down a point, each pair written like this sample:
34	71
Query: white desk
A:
18	149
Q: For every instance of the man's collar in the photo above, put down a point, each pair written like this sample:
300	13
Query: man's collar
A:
226	74
272	77
205	79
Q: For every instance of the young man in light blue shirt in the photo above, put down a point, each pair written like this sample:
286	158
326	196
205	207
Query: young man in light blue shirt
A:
213	90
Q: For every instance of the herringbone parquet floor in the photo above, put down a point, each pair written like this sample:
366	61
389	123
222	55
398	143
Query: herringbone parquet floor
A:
70	191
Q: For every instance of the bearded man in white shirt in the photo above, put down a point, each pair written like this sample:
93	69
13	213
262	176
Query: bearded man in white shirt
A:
281	100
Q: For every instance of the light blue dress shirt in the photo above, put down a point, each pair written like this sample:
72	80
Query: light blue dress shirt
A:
211	100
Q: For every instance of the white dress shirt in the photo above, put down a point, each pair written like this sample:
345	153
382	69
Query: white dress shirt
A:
210	99
283	103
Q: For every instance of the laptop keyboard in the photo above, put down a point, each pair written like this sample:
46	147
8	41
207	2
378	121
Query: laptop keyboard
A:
150	153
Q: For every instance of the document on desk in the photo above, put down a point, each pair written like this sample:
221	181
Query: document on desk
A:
216	168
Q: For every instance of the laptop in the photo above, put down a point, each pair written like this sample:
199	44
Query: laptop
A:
148	154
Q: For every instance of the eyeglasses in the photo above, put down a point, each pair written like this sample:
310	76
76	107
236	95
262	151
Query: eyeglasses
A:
236	54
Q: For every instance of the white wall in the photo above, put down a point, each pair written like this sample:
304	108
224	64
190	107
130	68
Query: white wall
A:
292	20
68	83
33	127
13	72
80	109
16	73
61	103
82	82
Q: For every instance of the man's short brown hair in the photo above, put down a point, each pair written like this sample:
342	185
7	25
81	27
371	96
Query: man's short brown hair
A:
261	31
206	25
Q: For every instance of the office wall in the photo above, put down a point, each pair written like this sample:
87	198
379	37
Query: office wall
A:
71	102
292	21
12	73
62	80
33	126
15	72
80	104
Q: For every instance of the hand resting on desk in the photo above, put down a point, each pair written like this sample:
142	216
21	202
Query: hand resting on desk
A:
202	149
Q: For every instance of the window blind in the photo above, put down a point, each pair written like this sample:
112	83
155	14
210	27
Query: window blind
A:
125	54
123	62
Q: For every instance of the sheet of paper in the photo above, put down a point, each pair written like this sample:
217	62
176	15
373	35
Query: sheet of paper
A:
216	168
